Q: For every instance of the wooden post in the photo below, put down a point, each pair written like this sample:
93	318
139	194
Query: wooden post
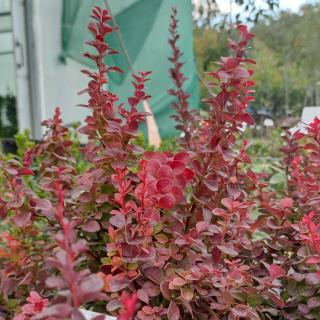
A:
154	138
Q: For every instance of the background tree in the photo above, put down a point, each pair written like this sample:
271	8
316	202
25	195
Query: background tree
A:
295	41
287	45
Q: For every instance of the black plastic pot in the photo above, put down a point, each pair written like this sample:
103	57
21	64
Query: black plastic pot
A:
8	145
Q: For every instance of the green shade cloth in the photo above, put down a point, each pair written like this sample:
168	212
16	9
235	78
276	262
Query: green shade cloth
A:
144	29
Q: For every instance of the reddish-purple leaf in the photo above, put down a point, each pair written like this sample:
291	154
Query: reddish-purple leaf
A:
118	220
85	197
91	226
202	226
22	219
228	249
43	205
25	172
276	271
173	311
118	283
183	157
91	284
187	294
164	287
165	171
177	166
164	185
216	255
167	201
143	296
286	203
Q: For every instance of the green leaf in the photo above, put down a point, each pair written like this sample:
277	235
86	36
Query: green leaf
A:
260	235
133	266
157	228
278	178
12	303
106	261
255	214
254	300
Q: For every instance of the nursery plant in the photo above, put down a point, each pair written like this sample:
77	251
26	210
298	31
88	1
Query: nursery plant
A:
192	233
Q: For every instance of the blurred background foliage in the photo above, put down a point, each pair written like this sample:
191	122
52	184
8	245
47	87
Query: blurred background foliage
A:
286	48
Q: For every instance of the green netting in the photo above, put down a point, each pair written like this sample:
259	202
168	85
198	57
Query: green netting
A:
144	29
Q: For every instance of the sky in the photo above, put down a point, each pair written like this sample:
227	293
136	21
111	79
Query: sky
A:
292	5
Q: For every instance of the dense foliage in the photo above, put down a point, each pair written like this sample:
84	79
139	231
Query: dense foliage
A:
193	233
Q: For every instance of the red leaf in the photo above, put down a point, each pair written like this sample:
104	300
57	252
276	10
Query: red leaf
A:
153	167
85	197
152	214
212	184
164	185
115	69
313	260
298	135
216	255
22	219
202	226
91	226
276	271
133	101
118	283
286	203
154	274
188	174
143	296
276	300
177	193
228	203
230	62
151	288
240	310
91	284
313	278
55	282
118	220
165	171
182	156
25	172
242	28
245	117
177	283
43	205
167	201
229	250
240	73
177	166
164	287
173	311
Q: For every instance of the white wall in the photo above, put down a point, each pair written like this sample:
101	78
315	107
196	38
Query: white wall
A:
7	70
54	83
7	75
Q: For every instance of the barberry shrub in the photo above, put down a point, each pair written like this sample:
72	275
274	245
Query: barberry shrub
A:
190	234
